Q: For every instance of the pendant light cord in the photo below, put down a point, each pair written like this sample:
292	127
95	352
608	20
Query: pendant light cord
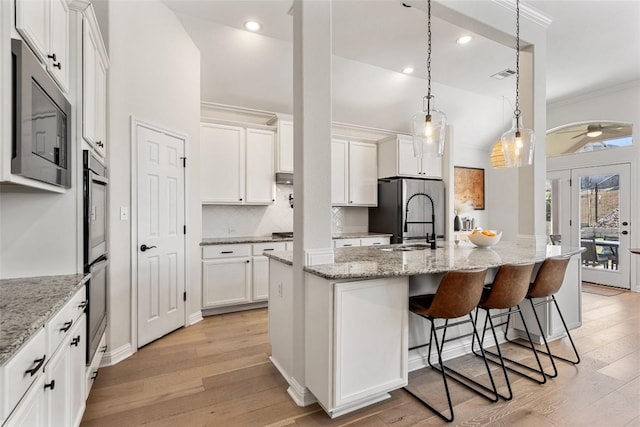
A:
517	110
429	56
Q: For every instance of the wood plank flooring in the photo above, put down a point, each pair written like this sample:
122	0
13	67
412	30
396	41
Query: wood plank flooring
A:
217	373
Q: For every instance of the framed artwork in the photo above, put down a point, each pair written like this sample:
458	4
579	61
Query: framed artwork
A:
468	185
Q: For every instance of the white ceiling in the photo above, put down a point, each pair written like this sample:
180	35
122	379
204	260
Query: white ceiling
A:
591	45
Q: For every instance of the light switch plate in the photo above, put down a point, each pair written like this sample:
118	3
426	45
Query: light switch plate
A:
124	213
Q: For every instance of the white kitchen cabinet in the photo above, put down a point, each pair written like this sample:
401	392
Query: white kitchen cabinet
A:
354	177
346	243
236	165
364	241
281	307
91	372
374	241
94	83
44	382
236	274
44	25
337	344
284	151
395	158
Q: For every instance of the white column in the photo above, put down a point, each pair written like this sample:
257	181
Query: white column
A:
312	163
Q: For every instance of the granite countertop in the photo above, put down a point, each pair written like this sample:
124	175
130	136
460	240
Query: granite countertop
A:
27	304
265	239
379	261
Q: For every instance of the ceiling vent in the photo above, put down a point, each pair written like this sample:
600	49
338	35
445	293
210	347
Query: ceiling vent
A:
504	73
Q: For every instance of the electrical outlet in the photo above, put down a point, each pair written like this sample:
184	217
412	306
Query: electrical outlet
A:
124	213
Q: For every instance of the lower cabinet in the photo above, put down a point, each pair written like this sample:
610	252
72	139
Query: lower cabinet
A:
236	274
56	397
339	370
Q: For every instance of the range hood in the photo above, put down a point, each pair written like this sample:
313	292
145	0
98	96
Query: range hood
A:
284	178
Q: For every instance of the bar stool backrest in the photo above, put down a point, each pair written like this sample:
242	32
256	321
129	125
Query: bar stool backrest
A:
458	294
549	278
509	287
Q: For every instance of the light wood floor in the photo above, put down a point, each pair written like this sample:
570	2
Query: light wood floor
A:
217	373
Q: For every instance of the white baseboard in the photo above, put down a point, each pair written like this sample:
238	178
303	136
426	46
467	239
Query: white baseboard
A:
116	356
195	318
301	395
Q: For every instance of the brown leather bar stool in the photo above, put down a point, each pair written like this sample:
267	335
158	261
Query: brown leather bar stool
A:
546	284
457	296
507	291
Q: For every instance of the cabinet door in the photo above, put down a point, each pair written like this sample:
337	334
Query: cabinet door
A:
260	282
59	48
408	164
77	365
339	172
381	305
226	282
363	174
431	167
89	102
101	104
222	163
346	243
373	241
32	21
285	146
32	410
56	386
260	170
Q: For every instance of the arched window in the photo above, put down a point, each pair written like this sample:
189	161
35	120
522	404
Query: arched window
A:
588	136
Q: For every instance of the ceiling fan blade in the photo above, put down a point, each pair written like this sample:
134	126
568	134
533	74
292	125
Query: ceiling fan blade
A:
579	135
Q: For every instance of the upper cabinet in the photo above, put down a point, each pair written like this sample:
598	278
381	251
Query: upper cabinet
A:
395	158
237	165
94	84
354	173
44	25
284	148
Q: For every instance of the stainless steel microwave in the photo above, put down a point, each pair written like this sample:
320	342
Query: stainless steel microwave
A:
41	121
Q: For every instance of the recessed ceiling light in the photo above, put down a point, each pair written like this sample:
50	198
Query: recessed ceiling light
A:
464	39
252	26
407	70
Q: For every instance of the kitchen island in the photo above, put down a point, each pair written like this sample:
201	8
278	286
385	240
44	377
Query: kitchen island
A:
356	325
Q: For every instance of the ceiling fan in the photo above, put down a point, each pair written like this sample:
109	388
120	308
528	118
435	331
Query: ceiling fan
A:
594	131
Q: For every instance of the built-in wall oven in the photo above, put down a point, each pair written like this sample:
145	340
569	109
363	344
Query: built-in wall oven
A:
96	257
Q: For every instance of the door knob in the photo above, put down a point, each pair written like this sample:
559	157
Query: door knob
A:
145	247
625	232
625	223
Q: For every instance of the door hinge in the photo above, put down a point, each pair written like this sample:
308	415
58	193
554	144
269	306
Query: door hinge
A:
570	182
184	296
184	162
184	229
570	223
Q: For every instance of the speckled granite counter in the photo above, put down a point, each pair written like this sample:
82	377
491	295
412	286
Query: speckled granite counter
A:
27	303
374	262
263	239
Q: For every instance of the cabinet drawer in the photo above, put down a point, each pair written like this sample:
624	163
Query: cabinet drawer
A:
372	241
60	325
226	251
345	243
259	248
23	369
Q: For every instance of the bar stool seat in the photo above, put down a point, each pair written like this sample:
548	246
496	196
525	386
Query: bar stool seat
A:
507	291
457	296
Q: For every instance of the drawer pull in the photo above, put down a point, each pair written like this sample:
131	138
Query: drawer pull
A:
51	385
103	349
83	304
348	244
95	375
268	249
226	252
39	363
75	341
376	243
67	326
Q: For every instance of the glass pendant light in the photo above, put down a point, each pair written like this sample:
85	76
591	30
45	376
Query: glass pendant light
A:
518	142
428	126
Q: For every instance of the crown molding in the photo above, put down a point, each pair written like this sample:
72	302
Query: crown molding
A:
528	12
571	99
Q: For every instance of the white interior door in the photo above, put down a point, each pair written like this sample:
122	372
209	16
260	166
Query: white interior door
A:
600	207
161	238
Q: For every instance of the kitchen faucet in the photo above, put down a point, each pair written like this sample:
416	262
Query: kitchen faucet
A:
432	222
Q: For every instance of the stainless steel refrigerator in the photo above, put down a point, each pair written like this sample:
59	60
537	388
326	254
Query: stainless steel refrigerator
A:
405	209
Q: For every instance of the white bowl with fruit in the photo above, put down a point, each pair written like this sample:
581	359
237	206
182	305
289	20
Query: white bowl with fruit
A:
485	238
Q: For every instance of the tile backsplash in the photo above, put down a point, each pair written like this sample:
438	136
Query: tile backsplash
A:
230	221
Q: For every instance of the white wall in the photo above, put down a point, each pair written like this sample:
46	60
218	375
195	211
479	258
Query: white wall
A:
618	103
154	76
